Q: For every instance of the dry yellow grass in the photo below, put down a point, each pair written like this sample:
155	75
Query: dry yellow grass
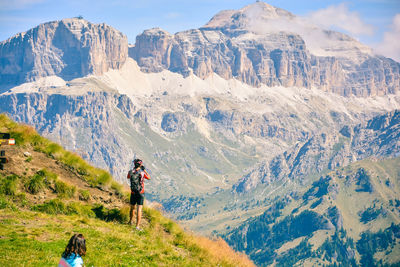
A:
221	251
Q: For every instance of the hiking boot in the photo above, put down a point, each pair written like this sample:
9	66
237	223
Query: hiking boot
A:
139	229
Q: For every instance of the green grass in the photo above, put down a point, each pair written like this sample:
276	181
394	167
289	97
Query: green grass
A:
27	136
40	238
35	184
64	190
38	233
84	194
8	185
118	189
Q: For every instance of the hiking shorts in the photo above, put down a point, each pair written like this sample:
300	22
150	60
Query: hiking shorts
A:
137	198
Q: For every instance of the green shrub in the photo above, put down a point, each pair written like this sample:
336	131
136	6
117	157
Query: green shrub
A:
49	177
35	184
100	211
125	210
39	181
57	206
29	159
8	185
64	190
82	171
5	203
104	178
84	195
52	149
78	208
117	187
98	178
86	210
126	197
54	206
72	159
119	215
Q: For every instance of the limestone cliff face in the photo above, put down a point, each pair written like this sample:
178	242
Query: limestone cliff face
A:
243	45
379	137
69	48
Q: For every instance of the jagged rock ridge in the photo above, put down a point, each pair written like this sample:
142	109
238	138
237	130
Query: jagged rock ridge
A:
261	44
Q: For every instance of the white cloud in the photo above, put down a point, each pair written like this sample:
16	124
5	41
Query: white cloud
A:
18	4
341	17
390	46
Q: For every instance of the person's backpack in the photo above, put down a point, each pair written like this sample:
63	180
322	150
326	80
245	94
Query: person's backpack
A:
136	185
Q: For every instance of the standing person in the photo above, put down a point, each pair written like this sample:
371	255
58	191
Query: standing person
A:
72	256
136	177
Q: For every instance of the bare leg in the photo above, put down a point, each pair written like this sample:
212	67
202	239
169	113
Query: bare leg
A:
139	215
132	211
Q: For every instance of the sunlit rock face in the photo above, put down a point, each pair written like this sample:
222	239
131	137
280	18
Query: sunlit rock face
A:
261	44
69	48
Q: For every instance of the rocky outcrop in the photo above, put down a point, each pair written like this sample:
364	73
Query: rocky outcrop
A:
176	122
69	48
379	137
242	45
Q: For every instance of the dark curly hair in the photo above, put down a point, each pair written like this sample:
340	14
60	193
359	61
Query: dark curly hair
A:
77	245
138	163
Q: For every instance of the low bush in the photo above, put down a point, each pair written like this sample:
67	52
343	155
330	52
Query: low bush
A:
104	178
35	184
84	195
78	208
126	197
117	187
53	206
57	206
8	185
119	215
64	190
53	149
39	181
98	178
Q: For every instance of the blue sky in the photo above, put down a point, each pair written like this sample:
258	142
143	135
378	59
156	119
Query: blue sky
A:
373	22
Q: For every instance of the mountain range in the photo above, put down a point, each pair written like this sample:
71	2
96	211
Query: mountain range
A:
236	120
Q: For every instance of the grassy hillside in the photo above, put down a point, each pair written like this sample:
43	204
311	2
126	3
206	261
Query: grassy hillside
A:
47	194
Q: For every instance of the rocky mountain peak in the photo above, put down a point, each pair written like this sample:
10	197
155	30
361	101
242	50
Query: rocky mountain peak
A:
69	48
245	17
264	45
